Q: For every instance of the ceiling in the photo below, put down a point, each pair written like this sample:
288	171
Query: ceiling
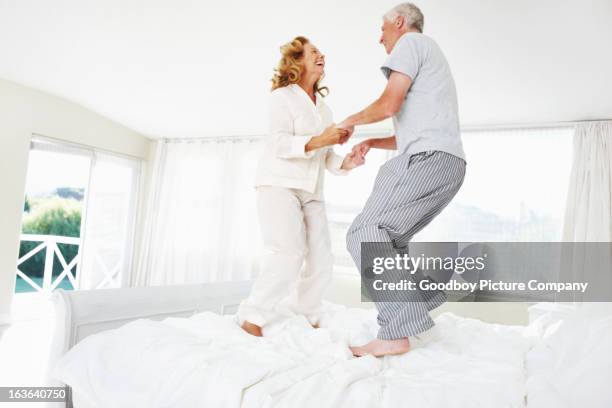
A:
186	68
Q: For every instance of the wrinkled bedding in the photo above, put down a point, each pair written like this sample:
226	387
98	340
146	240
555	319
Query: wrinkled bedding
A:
572	365
208	361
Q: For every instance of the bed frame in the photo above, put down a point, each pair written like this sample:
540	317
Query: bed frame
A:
79	314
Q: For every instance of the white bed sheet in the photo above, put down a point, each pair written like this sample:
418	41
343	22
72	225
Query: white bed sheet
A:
572	365
208	361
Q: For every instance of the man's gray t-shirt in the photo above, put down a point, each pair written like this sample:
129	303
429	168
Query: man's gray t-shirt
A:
428	118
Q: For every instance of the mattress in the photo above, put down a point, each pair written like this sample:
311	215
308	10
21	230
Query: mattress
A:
207	360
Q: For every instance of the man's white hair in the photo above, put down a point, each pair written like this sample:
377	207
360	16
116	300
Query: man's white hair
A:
411	13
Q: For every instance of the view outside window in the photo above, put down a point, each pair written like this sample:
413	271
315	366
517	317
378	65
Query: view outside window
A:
51	226
531	169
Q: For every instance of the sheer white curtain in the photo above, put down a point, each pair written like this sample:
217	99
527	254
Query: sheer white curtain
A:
202	225
109	222
588	216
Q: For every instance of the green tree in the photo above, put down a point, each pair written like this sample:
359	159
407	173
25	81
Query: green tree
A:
70	192
26	205
51	216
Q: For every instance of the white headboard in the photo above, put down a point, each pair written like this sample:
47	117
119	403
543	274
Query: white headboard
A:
79	314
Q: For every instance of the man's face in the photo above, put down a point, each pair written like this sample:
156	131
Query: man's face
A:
391	32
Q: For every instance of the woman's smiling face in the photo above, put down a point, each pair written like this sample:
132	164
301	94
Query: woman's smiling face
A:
313	60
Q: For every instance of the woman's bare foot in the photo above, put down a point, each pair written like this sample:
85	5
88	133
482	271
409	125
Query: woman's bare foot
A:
379	348
251	328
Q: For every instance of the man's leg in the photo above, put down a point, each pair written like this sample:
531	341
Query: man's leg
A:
408	193
432	298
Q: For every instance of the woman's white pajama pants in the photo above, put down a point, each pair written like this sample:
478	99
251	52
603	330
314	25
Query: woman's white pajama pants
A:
296	264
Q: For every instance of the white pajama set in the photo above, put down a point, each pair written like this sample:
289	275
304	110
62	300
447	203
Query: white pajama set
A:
296	264
411	189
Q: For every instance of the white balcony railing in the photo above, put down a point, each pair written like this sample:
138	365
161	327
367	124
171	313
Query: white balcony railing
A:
49	244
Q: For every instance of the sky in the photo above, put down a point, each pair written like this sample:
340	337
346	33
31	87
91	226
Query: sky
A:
50	170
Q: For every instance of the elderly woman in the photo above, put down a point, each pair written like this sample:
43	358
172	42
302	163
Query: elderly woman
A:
289	183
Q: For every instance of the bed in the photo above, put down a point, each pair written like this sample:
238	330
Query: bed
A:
180	346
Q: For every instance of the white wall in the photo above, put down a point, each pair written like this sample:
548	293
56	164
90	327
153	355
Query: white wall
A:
24	111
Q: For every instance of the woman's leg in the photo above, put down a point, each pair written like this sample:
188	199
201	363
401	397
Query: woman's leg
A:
317	272
281	222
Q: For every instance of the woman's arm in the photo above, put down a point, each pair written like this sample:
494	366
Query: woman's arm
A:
286	143
330	136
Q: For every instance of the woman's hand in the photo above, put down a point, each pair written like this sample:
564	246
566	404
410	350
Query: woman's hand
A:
330	136
334	135
352	160
361	149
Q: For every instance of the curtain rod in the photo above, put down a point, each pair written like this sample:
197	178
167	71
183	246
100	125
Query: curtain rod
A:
541	125
385	132
213	139
255	138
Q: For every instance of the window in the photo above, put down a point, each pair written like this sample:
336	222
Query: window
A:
78	218
515	190
56	185
109	222
203	225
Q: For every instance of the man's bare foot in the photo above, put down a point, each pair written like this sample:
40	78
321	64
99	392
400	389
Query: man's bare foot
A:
379	348
251	328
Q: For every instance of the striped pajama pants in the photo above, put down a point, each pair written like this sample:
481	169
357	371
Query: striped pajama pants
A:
409	191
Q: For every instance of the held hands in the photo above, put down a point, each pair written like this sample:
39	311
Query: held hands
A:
331	135
339	134
357	155
334	135
361	149
349	128
351	161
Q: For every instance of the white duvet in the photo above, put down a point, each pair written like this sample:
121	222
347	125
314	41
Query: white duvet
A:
572	365
208	361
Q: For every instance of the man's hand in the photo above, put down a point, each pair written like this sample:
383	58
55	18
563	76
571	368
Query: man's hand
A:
351	161
334	135
347	126
331	135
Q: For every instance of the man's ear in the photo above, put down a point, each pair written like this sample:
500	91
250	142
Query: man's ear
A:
400	22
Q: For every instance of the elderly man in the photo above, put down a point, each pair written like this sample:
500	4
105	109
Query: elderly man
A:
413	187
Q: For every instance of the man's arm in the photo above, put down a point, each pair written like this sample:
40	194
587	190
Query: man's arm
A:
361	149
387	105
387	143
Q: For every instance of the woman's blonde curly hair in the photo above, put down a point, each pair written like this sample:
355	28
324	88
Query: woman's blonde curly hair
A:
289	69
